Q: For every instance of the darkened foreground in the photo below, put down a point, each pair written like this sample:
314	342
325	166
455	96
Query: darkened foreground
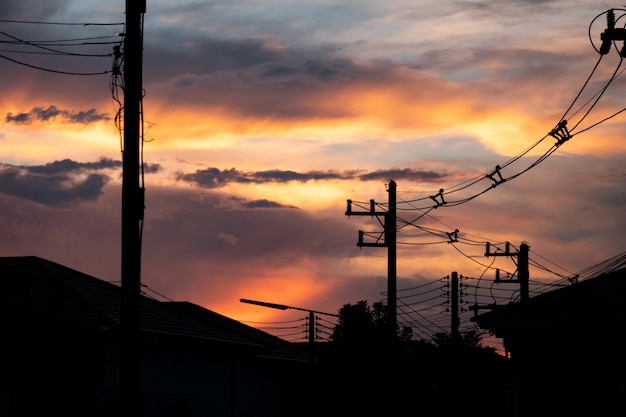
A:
362	372
61	356
422	380
566	346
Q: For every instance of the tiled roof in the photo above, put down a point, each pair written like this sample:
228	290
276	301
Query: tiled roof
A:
596	303
77	297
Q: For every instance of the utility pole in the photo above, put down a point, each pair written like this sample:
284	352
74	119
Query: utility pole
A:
311	326
311	336
132	214
390	232
523	275
455	321
389	242
455	340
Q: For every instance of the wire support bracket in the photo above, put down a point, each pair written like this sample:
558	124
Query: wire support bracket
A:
560	133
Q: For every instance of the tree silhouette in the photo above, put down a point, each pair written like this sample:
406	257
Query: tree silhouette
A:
356	367
361	324
470	339
366	375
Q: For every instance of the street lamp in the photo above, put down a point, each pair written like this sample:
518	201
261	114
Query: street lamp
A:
285	307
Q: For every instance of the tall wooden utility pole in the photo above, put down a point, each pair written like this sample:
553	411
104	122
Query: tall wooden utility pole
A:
389	241
132	214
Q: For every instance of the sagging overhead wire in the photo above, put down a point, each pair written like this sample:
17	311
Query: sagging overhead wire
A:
563	131
63	47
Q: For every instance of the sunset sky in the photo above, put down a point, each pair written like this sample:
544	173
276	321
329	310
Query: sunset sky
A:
263	118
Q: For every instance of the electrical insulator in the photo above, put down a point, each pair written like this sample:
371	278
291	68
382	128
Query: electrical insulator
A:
606	36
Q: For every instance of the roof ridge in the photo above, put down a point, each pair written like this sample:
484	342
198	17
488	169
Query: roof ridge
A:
65	273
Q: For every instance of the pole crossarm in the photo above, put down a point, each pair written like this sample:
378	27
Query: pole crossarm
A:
365	213
507	251
376	244
522	267
373	213
388	237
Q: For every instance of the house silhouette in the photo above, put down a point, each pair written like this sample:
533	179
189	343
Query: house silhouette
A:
61	339
566	348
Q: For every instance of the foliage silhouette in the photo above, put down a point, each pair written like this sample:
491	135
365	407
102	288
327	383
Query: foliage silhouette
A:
470	338
366	374
360	323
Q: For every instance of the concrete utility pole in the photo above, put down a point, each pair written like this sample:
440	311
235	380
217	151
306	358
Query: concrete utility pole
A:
454	310
132	214
390	232
389	241
523	275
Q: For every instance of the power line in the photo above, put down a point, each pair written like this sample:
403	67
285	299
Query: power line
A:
499	174
62	23
52	70
44	47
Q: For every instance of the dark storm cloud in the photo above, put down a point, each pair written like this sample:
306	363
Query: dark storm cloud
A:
321	69
30	9
59	183
289	88
276	175
52	113
67	165
254	59
203	56
263	203
57	190
215	178
407	174
151	168
326	70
